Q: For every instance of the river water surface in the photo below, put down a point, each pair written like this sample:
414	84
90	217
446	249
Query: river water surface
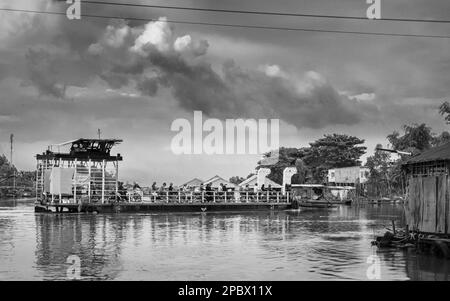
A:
282	245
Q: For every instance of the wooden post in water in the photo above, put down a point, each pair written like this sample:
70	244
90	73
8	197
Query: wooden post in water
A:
75	182
117	179
43	166
393	226
103	181
60	196
89	180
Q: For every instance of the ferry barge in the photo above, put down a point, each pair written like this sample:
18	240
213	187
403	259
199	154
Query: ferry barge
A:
82	176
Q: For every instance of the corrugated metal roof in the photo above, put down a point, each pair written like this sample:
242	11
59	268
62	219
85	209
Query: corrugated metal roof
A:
267	182
194	181
439	153
90	140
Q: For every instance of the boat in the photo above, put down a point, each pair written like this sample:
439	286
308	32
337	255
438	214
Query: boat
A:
313	196
81	175
317	204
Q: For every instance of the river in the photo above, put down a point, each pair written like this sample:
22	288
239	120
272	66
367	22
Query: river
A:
283	245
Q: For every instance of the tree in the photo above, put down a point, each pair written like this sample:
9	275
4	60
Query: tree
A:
287	157
444	110
379	165
332	151
236	180
8	171
443	138
416	136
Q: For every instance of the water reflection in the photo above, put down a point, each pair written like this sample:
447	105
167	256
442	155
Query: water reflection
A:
289	245
59	236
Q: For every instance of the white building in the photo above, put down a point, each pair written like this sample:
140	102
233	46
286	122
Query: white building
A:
251	181
348	176
216	182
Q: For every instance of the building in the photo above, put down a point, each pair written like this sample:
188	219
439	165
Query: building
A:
427	203
348	176
194	183
251	181
216	182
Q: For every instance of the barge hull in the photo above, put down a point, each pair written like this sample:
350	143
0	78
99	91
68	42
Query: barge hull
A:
160	207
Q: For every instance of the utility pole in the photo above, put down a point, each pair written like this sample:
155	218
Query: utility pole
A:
11	138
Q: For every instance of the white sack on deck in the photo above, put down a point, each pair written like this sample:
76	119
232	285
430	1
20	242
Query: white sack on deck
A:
61	180
47	173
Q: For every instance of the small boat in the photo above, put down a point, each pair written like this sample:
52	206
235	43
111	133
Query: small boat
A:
316	204
313	196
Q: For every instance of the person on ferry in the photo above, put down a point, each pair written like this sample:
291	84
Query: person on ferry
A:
154	187
224	190
209	193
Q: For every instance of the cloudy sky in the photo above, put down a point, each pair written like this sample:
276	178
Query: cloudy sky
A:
62	79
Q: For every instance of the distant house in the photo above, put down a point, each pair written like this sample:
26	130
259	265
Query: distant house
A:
194	183
217	180
251	181
348	176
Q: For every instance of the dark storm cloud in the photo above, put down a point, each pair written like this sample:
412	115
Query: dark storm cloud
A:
43	75
109	50
156	58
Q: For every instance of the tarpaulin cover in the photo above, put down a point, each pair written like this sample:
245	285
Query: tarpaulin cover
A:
61	180
47	174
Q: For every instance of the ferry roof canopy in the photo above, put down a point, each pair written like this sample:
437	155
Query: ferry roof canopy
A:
97	149
116	141
438	153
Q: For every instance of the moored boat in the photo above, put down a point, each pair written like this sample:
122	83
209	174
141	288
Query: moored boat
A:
314	196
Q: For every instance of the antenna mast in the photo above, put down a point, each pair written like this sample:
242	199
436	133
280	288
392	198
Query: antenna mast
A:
11	138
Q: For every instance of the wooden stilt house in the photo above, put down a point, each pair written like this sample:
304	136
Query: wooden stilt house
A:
427	205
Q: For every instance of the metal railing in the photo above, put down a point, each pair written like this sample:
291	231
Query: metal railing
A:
184	197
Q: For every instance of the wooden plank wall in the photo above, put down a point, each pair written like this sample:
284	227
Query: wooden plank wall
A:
441	204
428	202
412	207
427	209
